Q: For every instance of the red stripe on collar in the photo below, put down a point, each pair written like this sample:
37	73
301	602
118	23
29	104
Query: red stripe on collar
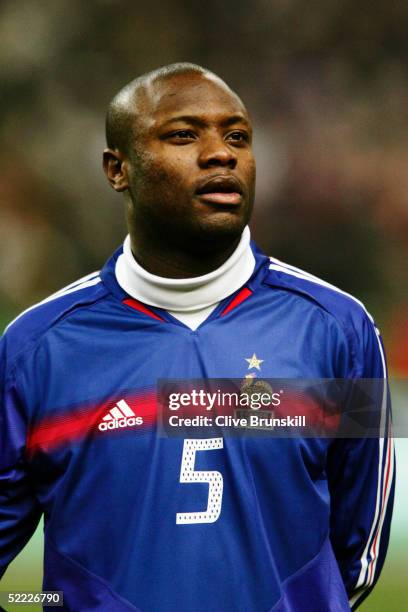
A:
242	295
141	308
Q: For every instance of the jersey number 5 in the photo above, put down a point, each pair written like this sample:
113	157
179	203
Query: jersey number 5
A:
214	479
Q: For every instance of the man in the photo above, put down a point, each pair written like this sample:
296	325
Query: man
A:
138	521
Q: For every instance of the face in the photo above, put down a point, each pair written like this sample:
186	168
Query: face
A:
191	171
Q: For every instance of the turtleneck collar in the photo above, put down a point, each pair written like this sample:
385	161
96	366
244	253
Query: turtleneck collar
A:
186	295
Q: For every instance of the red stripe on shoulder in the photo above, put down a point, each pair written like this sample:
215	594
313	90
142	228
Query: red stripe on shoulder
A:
238	299
141	308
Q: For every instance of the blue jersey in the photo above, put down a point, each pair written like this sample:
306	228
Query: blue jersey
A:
136	521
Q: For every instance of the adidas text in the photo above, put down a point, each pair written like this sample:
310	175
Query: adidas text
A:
117	423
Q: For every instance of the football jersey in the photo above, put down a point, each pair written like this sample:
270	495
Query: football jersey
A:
134	520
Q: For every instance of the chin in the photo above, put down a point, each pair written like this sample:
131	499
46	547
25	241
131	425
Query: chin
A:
220	230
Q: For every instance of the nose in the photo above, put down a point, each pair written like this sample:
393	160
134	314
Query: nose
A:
216	152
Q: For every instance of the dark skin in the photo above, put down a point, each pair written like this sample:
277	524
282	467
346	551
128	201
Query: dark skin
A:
188	176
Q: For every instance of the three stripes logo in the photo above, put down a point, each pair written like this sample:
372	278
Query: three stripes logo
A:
120	416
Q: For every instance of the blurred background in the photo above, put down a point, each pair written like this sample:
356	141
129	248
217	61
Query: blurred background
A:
326	83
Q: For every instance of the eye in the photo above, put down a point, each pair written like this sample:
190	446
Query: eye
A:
181	136
238	136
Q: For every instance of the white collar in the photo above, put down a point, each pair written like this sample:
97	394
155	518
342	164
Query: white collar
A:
186	294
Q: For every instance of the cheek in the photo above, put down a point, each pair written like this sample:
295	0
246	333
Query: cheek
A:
251	165
170	175
250	172
159	184
154	164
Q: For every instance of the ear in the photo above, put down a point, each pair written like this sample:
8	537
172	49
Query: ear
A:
115	168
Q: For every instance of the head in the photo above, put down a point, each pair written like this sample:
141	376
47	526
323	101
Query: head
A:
179	148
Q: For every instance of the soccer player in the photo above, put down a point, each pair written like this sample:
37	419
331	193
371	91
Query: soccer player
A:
138	521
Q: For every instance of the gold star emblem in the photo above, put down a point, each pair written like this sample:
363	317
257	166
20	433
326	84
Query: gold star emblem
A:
254	362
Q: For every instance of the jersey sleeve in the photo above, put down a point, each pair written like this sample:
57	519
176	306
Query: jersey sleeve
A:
361	480
19	509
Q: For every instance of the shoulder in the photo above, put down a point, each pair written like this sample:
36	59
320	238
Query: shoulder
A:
343	306
31	325
346	311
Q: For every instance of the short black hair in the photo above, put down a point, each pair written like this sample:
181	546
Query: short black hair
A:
120	115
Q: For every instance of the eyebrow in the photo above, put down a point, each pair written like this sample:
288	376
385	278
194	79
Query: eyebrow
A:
194	120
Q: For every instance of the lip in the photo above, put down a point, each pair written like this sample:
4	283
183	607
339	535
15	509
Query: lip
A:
221	190
220	184
220	198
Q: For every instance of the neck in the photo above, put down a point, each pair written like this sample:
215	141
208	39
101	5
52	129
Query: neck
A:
193	295
169	261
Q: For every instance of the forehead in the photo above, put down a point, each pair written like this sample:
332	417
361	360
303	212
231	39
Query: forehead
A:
190	94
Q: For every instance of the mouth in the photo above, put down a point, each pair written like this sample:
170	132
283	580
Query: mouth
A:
221	190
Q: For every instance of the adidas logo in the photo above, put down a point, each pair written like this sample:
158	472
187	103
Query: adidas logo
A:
120	416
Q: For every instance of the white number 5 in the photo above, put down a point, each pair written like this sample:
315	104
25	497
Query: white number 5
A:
214	479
